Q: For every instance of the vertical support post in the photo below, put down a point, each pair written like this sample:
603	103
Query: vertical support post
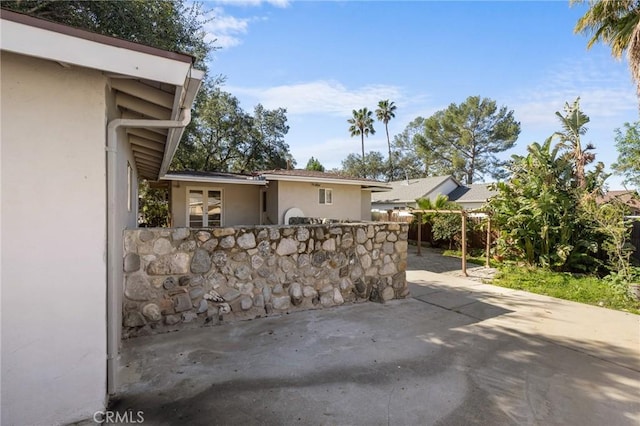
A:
487	263
463	215
419	234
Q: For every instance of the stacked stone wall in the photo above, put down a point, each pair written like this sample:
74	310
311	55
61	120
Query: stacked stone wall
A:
178	278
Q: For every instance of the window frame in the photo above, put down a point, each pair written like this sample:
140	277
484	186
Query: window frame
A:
322	199
205	208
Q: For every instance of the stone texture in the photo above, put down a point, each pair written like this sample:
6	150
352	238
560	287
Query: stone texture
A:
286	247
201	261
329	245
151	311
133	319
228	242
179	234
246	302
176	263
231	295
210	245
295	291
281	302
387	294
162	246
182	302
137	287
203	306
189	316
203	236
196	292
171	319
257	271
247	241
131	262
243	272
223	232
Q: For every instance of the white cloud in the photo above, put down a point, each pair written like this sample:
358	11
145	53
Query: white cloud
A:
605	96
253	3
226	30
320	97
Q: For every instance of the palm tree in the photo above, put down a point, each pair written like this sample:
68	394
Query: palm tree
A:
617	23
385	112
361	125
573	125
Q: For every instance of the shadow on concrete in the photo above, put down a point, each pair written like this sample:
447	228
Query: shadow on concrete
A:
436	360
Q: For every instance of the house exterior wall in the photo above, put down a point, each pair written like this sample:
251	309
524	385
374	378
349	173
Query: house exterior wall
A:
365	205
304	195
53	241
240	203
272	204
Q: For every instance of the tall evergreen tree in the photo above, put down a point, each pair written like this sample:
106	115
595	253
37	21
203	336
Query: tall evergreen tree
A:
467	137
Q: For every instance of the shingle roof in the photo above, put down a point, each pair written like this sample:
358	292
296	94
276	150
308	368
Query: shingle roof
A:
313	174
475	192
409	191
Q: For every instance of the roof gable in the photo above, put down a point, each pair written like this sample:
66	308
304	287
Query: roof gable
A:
404	191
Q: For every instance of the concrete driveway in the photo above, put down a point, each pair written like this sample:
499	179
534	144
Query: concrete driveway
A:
459	352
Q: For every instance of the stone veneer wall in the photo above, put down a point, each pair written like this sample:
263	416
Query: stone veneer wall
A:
173	277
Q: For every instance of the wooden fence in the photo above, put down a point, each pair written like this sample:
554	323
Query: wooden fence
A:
635	239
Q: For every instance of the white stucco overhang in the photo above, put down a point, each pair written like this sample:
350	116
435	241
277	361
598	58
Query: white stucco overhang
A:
147	83
248	180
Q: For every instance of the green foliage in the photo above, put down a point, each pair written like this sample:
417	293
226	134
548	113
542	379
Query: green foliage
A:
374	166
154	206
411	160
361	124
466	137
315	165
385	112
444	226
540	211
583	289
573	127
628	145
223	137
610	22
172	25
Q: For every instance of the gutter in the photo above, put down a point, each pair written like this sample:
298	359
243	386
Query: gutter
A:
114	264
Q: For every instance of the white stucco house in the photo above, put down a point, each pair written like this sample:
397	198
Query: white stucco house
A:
205	199
83	116
404	193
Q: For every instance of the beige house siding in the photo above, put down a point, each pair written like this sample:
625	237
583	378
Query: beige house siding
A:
53	241
365	203
240	203
304	195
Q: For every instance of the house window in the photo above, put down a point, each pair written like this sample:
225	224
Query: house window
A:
325	196
204	207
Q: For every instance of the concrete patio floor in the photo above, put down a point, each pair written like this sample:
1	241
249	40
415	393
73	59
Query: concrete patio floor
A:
459	352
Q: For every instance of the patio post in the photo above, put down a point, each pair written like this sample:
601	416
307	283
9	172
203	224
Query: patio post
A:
487	264
463	215
419	234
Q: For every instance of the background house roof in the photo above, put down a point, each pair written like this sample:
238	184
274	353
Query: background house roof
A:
630	198
403	191
472	193
323	177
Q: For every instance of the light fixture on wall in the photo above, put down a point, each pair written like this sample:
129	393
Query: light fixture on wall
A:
315	184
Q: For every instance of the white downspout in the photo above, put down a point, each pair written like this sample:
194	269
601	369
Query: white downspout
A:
113	264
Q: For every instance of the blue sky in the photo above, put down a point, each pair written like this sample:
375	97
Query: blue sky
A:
322	59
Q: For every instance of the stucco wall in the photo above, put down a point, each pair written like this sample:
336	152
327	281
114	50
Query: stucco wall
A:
304	195
53	242
177	278
240	203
